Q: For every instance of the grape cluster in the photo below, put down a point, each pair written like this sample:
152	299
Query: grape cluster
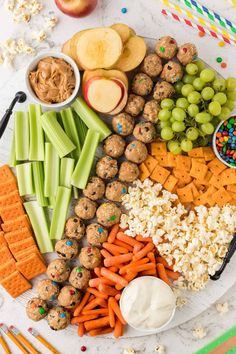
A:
202	101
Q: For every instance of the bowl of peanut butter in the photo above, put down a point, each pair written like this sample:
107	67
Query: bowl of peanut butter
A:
53	80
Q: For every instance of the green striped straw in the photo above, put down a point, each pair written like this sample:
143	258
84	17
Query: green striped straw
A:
219	341
210	14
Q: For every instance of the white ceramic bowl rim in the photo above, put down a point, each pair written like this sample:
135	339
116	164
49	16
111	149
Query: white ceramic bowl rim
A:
214	142
33	64
154	330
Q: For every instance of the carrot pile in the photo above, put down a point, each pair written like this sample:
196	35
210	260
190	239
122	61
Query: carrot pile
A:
124	258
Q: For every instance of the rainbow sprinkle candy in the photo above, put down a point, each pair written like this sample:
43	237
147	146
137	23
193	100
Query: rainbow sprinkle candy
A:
226	141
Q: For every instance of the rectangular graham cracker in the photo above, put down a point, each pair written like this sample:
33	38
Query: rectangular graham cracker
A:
21	245
15	284
31	266
15	224
10	198
12	211
6	174
7	187
5	255
160	174
7	269
143	172
18	235
19	256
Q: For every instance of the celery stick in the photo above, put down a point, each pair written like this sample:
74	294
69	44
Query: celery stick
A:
75	192
83	167
51	171
36	147
71	131
25	178
60	212
40	226
22	135
51	202
81	128
90	118
67	168
56	134
38	175
12	158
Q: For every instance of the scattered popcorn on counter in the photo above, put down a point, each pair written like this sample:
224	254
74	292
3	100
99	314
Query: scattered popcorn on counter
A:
129	351
22	11
51	21
40	36
11	47
196	242
180	300
199	332
160	349
222	308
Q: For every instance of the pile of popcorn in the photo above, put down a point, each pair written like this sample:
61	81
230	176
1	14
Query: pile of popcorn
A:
194	242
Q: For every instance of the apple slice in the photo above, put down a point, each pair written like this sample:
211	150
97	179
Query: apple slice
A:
123	30
66	48
114	74
121	104
103	94
99	48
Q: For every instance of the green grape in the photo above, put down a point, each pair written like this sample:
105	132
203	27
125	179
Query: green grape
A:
219	84
164	114
225	113
186	145
214	108
198	84
178	86
191	69
172	120
167	133
188	79
193	110
231	95
164	124
182	103
229	104
179	114
167	103
207	128
207	75
201	66
220	97
174	147
194	97
207	93
203	117
178	127
187	89
192	133
231	84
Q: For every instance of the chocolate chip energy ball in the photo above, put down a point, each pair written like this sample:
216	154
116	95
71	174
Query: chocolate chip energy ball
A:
172	72
187	53
96	234
152	65
74	228
115	191
163	89
58	270
95	188
128	172
85	208
123	124
136	152
90	257
108	214
79	278
67	248
58	318
142	84
47	290
151	110
134	105
166	47
69	296
114	146
145	132
36	309
106	167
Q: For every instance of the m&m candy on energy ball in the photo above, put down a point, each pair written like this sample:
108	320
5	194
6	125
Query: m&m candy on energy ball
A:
225	141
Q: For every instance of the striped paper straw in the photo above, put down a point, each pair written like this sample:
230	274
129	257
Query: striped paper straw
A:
212	15
200	20
195	26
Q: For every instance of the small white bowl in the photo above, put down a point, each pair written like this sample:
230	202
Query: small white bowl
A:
214	144
152	330
32	66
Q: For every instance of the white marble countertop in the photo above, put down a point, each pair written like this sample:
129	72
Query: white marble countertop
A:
144	16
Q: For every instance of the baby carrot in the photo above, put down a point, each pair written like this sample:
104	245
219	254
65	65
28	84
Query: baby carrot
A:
162	273
97	293
127	239
133	264
99	332
141	268
118	331
113	269
82	303
143	239
81	330
97	271
117	297
151	272
137	248
164	262
98	323
143	252
111	313
123	244
113	233
94	303
106	254
172	275
93	283
115	250
83	318
107	290
114	277
152	258
129	276
116	309
95	312
111	261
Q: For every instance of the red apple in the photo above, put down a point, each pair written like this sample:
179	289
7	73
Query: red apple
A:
76	8
122	102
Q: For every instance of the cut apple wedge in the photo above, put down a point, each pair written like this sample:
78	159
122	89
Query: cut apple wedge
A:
121	104
133	54
102	94
99	48
115	74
